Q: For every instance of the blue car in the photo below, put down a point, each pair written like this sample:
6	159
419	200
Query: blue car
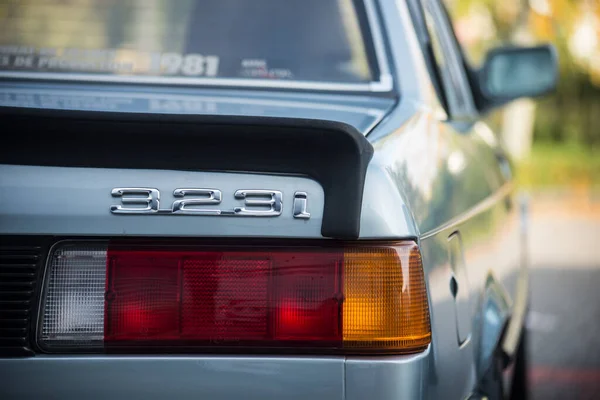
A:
234	199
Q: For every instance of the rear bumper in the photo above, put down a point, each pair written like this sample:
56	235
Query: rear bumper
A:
53	377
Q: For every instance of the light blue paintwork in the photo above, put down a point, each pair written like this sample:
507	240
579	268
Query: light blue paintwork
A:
77	201
428	180
260	378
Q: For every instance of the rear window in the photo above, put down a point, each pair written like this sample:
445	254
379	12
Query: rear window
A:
297	40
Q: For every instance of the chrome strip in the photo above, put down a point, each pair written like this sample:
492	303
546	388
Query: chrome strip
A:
480	207
516	324
216	98
384	84
386	81
227	82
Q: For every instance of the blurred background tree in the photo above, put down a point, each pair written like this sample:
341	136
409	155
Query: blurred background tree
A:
556	139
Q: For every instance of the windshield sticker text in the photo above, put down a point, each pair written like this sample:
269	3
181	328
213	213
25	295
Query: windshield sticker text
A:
122	61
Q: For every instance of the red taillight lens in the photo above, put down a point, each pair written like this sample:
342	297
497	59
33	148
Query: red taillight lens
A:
204	298
222	297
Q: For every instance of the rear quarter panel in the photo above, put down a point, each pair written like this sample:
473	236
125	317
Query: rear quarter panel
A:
456	186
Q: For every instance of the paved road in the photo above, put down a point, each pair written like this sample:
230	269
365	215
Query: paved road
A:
564	321
565	333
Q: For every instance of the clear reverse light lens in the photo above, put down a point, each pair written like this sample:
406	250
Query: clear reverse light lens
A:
74	303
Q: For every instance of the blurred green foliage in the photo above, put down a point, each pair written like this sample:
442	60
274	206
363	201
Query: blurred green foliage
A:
573	26
566	146
570	164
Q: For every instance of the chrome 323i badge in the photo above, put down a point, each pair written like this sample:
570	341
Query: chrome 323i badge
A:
205	202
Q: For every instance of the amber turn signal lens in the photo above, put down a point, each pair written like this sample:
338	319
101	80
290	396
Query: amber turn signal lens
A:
385	306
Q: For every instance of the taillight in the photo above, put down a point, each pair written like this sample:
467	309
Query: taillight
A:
208	298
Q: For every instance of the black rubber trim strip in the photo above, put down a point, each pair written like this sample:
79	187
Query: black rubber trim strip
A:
334	154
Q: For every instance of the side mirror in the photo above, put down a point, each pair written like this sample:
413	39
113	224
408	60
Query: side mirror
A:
510	73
